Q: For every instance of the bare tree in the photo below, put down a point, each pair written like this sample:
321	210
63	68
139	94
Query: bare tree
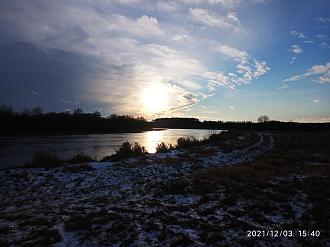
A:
78	111
36	111
263	119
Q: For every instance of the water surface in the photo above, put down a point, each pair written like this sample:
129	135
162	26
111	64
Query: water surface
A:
14	151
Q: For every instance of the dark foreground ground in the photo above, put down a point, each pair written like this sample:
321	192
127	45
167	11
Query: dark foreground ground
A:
248	189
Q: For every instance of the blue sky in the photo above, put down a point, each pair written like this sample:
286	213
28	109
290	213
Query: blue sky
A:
211	59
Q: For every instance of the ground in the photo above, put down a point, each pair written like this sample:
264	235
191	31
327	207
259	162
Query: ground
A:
210	195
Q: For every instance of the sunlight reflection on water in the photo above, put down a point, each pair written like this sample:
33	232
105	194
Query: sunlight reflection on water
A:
152	139
14	151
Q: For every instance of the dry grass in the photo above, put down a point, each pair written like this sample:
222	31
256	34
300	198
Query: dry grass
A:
80	158
44	159
163	147
296	155
126	151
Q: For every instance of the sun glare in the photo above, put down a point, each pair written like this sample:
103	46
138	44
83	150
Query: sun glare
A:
154	98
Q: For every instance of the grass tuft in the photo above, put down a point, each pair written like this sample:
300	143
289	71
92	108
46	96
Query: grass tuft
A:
80	158
44	159
126	151
163	147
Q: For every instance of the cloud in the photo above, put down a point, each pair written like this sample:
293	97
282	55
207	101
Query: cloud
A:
313	120
308	41
316	101
203	16
322	71
70	101
324	45
50	72
183	38
227	4
232	52
321	36
247	69
323	19
232	108
284	86
144	26
298	34
296	49
128	2
106	53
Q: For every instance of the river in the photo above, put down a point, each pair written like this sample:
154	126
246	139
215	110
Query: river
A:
15	151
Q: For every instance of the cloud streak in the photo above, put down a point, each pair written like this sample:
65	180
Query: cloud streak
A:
321	71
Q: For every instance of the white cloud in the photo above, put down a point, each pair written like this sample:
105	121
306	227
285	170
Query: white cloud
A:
324	45
128	2
316	101
247	69
183	38
203	16
228	4
232	52
144	26
313	120
169	6
323	19
233	17
293	59
322	71
308	41
296	49
232	108
70	101
298	34
321	36
284	86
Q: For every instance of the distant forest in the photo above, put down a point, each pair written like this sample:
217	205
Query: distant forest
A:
77	122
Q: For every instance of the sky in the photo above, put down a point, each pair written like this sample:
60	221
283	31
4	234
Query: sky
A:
209	59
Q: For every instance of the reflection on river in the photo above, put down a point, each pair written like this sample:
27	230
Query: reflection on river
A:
14	151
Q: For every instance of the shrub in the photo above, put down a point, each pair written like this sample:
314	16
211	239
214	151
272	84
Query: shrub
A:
163	147
80	158
44	159
186	142
126	150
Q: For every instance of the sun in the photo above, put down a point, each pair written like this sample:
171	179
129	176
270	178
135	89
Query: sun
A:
155	98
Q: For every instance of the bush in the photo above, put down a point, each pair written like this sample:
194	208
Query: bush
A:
44	159
80	158
127	150
186	142
163	147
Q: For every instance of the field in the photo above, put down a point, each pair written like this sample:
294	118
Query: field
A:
214	194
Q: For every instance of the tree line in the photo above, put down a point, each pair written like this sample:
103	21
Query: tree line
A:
35	120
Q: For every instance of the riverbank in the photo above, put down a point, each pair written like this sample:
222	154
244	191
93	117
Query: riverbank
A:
205	195
15	151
